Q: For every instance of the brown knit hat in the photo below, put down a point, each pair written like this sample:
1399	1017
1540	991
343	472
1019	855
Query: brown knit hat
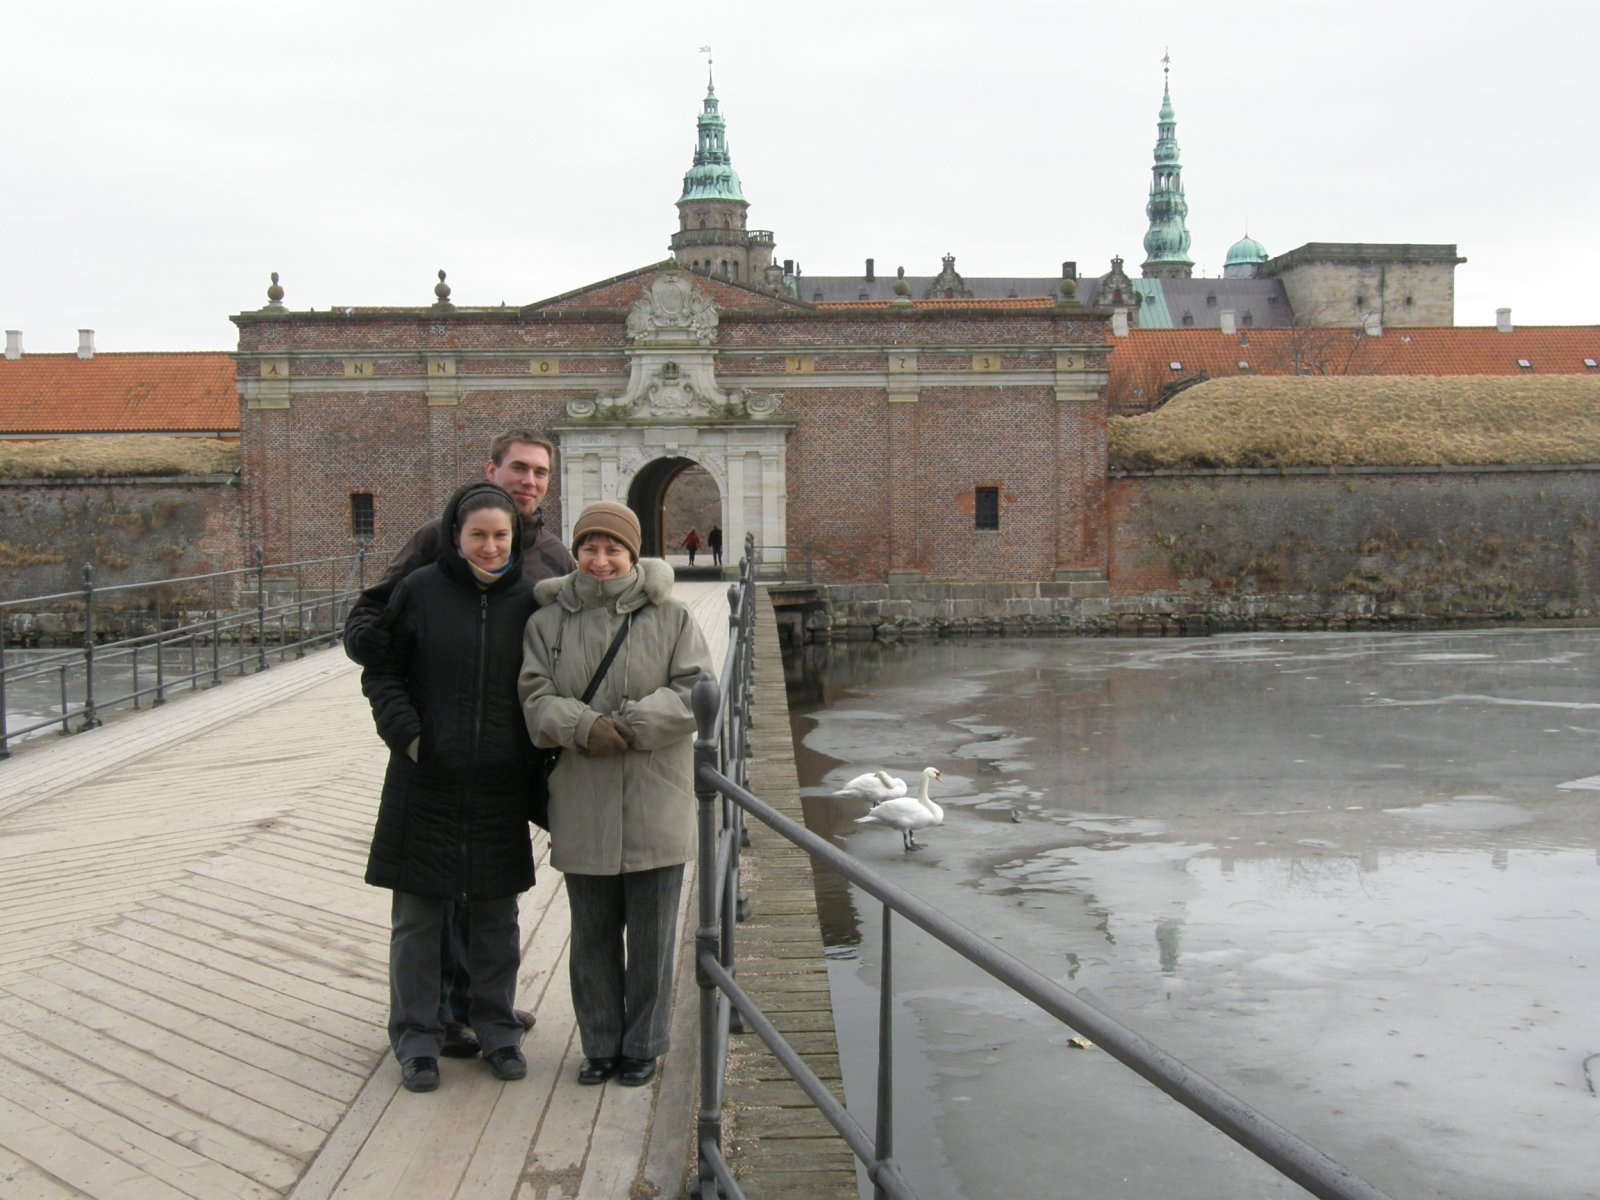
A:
614	520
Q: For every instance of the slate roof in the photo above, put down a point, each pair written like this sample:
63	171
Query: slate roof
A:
833	289
182	393
982	302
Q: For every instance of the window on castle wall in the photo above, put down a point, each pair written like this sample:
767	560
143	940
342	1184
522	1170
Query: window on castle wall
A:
361	522
986	508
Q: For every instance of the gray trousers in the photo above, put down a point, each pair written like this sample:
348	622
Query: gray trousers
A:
494	952
624	943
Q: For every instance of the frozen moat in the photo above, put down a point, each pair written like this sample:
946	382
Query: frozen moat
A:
1352	878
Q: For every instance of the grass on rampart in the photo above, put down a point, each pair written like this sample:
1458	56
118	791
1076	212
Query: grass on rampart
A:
117	457
1366	420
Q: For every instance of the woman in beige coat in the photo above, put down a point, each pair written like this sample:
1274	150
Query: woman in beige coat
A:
622	809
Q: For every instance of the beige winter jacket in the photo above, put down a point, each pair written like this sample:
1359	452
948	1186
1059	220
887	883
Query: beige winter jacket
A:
632	811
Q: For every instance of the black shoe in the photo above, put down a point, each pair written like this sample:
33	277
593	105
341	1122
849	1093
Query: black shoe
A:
507	1063
459	1042
636	1072
420	1074
525	1018
597	1070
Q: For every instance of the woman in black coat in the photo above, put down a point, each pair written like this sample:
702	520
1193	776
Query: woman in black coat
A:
453	818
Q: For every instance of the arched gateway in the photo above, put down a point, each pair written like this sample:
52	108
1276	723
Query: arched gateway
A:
672	414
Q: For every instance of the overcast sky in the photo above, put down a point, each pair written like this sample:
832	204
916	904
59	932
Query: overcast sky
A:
161	158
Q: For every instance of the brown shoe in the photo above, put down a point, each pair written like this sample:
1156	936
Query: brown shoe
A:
459	1042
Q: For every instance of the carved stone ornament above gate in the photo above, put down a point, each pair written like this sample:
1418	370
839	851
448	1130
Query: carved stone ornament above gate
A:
672	312
672	375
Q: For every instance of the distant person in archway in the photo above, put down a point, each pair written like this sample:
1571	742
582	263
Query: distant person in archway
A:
521	463
714	540
691	543
622	804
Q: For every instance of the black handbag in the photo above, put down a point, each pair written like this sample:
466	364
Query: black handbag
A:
544	760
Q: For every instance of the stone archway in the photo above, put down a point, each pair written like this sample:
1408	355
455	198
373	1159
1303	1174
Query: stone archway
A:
647	496
636	463
672	413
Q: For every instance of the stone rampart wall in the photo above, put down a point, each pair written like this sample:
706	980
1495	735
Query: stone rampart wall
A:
1355	548
129	530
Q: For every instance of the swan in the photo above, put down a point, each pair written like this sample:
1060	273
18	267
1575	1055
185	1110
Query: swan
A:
908	814
876	786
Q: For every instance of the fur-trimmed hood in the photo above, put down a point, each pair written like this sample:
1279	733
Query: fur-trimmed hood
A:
649	583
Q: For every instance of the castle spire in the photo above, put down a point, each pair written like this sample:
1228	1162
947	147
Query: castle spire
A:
1166	243
712	237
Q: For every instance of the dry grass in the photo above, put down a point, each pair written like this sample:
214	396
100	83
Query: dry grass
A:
1365	421
117	457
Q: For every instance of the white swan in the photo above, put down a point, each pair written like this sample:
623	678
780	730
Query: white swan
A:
876	786
909	814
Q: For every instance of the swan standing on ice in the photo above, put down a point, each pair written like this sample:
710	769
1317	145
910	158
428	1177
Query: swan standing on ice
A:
908	814
876	786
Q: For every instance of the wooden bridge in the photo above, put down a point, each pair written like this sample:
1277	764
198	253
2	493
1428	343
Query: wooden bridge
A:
193	978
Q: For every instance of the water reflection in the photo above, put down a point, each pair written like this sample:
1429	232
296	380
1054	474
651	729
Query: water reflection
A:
1333	872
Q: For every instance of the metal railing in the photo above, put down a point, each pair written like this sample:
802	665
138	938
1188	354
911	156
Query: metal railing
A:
723	712
139	641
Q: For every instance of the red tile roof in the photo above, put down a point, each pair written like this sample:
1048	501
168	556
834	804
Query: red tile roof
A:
118	393
1452	350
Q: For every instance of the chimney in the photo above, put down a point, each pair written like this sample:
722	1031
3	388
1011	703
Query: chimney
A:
870	275
1069	270
1372	324
1502	321
85	343
788	266
1119	322
13	344
1228	327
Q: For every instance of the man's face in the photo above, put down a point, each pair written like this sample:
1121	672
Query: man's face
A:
524	471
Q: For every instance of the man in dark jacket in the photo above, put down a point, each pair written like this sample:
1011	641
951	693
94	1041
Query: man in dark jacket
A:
521	463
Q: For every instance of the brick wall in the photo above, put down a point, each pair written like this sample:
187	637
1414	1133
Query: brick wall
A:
875	486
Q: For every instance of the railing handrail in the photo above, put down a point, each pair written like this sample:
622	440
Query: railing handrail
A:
255	620
724	801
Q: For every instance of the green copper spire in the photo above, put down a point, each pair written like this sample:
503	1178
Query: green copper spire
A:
712	177
1166	243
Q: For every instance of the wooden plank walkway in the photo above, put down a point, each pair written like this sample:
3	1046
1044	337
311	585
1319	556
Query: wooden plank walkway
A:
193	978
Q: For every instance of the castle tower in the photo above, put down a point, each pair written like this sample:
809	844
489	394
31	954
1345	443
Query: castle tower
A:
712	238
1166	243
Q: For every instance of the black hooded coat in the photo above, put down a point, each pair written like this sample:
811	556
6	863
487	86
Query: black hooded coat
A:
454	823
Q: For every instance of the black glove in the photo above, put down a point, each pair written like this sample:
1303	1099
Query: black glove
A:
366	641
604	739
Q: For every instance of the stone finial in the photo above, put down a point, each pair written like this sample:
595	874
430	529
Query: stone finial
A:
902	290
442	291
1069	292
274	293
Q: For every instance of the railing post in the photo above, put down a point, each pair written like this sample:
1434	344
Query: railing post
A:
90	718
708	1126
884	1148
261	611
5	748
300	617
161	646
216	634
